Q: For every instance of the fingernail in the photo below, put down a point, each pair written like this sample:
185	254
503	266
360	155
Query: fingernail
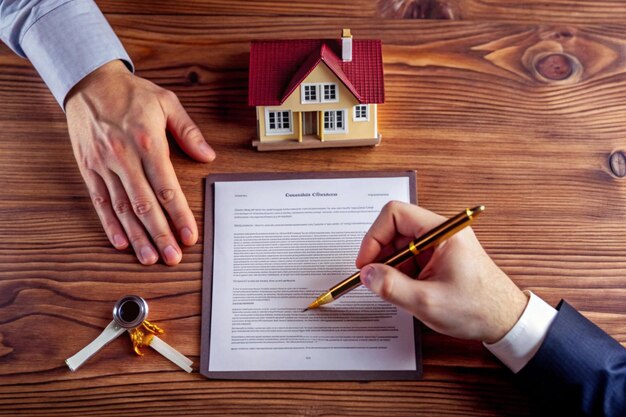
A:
186	236
206	150
119	241
148	255
367	274
171	254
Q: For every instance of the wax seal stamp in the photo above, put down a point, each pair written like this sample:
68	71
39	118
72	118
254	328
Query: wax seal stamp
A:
129	314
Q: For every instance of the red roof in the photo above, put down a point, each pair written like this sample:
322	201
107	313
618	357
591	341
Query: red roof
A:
277	67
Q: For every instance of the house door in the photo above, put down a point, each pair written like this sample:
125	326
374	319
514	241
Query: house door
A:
309	120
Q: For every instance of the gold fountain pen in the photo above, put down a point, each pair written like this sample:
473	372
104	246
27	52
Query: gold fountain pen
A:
426	241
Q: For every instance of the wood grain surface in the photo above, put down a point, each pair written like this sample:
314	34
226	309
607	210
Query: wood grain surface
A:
528	119
527	11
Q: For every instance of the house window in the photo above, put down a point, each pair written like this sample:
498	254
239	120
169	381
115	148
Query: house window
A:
361	113
335	121
319	92
278	122
309	93
330	92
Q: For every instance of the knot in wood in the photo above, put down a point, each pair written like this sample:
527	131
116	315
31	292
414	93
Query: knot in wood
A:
416	9
617	163
555	66
193	77
547	62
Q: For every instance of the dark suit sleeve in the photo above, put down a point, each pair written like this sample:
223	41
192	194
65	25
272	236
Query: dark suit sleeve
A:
578	370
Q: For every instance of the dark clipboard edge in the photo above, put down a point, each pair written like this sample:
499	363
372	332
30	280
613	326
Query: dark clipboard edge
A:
207	286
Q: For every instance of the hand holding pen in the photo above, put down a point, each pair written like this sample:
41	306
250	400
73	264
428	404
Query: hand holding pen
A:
415	247
459	292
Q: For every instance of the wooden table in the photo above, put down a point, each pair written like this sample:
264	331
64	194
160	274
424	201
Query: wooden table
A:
521	108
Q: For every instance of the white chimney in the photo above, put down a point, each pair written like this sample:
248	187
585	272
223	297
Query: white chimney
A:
346	46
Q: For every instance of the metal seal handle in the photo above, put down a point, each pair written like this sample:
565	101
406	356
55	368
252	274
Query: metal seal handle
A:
130	311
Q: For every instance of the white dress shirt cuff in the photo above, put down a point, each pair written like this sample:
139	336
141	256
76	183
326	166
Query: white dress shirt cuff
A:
68	43
521	343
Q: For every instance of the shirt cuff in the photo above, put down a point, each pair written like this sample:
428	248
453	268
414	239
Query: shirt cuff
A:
68	43
521	343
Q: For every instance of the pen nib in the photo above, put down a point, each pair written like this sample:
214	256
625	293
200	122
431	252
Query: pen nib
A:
477	210
306	309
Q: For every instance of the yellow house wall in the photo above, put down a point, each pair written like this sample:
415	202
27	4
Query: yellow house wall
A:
322	74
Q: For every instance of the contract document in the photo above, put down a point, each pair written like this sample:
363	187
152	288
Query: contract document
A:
273	243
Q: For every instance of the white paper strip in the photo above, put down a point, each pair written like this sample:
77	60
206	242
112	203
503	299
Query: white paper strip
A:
170	353
111	332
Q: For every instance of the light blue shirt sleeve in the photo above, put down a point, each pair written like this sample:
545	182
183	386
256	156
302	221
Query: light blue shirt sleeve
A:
65	40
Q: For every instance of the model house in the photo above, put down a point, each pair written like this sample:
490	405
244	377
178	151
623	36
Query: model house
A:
315	93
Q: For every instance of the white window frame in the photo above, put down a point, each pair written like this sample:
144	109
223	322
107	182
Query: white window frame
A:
277	131
334	129
303	93
356	117
323	93
319	93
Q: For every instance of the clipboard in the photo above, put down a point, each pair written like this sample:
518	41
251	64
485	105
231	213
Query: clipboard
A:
207	287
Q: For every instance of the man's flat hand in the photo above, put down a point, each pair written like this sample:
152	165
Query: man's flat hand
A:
117	123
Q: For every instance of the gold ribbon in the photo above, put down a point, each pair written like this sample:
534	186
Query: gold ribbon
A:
142	335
